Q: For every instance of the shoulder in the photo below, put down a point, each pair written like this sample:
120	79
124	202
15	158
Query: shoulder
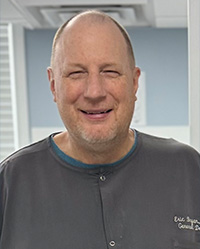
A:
26	155
168	148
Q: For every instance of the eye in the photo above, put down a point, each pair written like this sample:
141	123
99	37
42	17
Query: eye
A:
77	74
111	73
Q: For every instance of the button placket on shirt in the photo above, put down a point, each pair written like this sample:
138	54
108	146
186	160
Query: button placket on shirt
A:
112	243
102	178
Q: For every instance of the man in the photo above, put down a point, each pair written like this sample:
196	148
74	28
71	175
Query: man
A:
99	184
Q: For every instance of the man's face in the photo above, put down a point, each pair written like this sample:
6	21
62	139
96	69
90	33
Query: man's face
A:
93	82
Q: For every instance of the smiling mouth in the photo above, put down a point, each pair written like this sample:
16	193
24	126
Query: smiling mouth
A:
96	112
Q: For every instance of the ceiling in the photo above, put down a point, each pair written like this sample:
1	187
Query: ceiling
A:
52	13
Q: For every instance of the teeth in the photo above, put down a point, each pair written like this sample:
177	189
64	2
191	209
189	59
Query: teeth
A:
96	112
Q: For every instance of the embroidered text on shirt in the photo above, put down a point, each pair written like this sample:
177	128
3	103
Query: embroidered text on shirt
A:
187	223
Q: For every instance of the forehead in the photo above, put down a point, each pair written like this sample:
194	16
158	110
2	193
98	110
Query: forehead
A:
83	36
91	24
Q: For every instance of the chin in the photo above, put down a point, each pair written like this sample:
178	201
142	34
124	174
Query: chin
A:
99	136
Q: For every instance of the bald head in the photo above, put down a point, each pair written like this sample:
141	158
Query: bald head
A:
92	17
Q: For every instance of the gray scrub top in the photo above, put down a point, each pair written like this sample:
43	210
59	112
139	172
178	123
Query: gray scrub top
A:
150	200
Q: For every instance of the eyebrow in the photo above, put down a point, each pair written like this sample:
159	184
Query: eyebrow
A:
101	66
75	65
109	64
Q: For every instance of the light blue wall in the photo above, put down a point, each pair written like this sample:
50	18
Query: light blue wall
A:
160	53
42	109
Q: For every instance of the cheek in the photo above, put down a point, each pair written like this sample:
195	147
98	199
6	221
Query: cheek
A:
68	93
125	93
127	101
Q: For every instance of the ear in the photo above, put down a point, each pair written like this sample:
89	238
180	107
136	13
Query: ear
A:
52	82
136	75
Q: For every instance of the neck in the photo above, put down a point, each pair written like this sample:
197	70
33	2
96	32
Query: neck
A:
95	154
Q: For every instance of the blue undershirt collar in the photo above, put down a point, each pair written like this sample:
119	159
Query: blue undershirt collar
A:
77	163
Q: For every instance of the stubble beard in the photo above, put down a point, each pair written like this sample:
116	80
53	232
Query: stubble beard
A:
99	140
99	137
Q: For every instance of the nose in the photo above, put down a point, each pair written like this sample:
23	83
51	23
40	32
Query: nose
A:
95	87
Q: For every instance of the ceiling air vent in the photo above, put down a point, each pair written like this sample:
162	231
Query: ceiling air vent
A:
155	13
127	16
51	14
